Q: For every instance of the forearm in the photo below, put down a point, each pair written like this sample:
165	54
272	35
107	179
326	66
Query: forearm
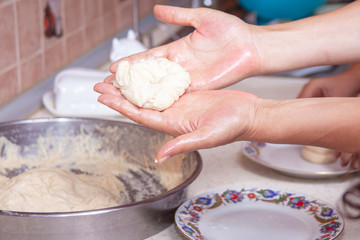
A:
326	122
331	38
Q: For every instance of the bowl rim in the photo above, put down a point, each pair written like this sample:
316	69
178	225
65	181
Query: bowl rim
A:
182	186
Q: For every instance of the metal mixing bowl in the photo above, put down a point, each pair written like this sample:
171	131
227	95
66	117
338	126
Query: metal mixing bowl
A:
142	216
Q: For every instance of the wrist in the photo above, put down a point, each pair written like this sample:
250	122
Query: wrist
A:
321	122
265	111
285	47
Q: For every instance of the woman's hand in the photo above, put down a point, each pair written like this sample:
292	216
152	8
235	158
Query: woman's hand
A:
205	119
198	120
333	86
346	84
352	159
219	52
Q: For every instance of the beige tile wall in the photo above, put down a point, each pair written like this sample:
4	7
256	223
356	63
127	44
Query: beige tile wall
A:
27	56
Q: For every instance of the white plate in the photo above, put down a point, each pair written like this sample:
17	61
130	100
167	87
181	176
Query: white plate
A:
257	214
286	158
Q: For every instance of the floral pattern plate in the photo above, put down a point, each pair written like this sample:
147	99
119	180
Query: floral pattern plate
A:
286	158
257	214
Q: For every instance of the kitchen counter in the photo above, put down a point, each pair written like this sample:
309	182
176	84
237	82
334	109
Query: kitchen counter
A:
226	167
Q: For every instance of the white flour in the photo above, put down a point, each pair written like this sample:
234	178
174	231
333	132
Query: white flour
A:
91	176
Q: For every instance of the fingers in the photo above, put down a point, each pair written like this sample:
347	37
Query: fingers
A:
350	158
111	97
345	158
119	104
182	144
156	52
106	88
309	90
168	14
355	161
110	79
131	58
175	146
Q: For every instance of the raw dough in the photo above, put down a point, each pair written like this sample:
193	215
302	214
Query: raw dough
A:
53	190
154	83
318	154
99	170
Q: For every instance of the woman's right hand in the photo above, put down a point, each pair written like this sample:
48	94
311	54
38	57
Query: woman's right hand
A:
218	53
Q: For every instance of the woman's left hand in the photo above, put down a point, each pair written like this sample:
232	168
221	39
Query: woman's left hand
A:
198	120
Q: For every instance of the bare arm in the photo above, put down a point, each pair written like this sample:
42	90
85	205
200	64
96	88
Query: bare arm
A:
205	119
326	122
330	38
223	49
217	58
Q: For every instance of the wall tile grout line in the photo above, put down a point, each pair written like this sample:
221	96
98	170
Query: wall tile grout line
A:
29	101
17	48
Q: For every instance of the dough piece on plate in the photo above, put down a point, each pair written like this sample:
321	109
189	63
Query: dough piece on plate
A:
154	83
318	154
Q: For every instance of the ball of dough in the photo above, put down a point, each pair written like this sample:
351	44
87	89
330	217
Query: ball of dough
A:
154	83
318	154
52	190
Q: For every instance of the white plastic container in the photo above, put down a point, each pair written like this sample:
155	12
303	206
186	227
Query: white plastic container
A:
74	96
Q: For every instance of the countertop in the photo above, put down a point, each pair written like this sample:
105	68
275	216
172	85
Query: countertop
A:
226	167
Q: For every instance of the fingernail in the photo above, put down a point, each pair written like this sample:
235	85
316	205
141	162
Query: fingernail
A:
161	160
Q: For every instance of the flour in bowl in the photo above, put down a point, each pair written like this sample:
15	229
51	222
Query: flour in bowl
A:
54	190
82	172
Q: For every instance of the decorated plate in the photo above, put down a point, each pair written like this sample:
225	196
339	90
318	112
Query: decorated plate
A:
257	214
286	158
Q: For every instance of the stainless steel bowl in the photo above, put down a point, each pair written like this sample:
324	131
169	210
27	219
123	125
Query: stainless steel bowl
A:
139	218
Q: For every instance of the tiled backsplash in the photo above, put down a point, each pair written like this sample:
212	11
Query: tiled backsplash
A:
27	56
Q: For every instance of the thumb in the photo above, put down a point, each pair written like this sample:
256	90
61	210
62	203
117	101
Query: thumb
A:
313	88
182	144
176	15
307	92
